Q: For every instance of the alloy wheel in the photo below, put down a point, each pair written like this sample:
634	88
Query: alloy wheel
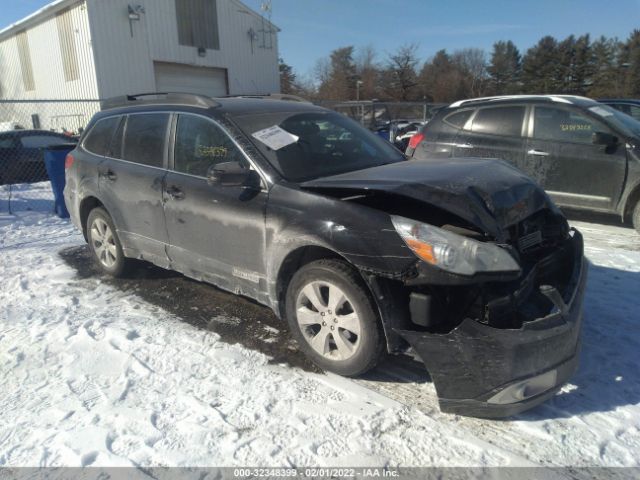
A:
103	242
328	321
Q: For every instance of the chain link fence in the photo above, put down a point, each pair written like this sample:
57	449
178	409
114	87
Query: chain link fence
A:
27	127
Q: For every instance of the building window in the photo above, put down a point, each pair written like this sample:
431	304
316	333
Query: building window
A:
198	23
25	61
67	41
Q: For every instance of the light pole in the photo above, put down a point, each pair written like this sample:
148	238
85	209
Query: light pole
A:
358	83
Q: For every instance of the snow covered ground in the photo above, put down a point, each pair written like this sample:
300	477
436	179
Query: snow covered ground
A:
92	374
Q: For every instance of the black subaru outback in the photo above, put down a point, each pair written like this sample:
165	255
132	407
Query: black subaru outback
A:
468	262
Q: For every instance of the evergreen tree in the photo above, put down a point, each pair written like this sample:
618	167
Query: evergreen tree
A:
505	68
574	65
632	65
540	67
605	69
340	76
287	78
441	80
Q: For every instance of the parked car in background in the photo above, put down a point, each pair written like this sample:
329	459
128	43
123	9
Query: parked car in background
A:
625	105
362	252
21	155
586	155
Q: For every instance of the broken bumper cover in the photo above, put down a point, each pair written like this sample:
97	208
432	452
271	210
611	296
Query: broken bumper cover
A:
489	372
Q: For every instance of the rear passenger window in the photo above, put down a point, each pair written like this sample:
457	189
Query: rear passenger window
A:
201	144
458	119
499	121
144	138
99	138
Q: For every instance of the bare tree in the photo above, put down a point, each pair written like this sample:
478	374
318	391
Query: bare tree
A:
400	75
368	72
473	63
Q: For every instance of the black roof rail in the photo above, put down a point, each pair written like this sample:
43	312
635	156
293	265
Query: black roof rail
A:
151	98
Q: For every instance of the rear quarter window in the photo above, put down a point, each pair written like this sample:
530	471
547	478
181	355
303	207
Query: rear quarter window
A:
499	121
145	138
458	119
99	137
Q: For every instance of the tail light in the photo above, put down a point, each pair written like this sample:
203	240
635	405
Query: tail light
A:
416	139
68	161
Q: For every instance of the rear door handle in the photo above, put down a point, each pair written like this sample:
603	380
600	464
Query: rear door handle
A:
538	153
464	145
175	193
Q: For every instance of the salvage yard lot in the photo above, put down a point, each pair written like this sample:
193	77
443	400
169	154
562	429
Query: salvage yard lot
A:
161	370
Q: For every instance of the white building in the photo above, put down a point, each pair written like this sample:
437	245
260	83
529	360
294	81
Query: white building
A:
96	49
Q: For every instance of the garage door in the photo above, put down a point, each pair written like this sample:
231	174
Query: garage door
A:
175	77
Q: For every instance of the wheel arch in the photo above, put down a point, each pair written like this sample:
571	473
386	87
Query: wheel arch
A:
87	204
380	289
630	201
293	262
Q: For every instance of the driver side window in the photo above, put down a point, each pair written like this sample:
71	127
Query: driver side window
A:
201	144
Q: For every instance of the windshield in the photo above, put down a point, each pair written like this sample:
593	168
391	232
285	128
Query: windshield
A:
617	119
316	144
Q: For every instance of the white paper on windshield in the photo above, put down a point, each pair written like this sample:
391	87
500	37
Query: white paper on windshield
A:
275	137
603	112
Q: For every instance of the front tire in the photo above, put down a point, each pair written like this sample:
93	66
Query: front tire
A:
105	244
333	319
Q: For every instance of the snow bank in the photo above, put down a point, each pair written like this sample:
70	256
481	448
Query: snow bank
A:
94	375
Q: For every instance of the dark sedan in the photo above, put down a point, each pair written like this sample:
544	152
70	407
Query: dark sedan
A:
21	156
626	105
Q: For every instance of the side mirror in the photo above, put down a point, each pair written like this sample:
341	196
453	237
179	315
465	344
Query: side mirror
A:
232	174
602	138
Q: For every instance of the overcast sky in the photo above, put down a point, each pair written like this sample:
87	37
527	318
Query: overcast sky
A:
312	28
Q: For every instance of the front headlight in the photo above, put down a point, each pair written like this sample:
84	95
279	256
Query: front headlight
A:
451	252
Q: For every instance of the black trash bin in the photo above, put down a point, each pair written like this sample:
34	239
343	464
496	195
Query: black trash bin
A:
54	156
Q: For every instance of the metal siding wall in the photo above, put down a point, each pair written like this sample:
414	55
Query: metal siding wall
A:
124	64
46	61
48	73
66	37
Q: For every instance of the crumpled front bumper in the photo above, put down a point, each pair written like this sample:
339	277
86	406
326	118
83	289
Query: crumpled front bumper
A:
489	372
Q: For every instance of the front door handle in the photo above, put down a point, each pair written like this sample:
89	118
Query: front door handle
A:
538	153
464	145
110	175
175	193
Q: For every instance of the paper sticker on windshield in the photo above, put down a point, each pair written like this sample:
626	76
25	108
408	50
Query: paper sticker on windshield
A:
275	137
603	112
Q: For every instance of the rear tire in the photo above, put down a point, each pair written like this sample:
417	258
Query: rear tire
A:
332	317
104	243
635	218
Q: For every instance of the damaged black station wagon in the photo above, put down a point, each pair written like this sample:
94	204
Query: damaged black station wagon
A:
467	262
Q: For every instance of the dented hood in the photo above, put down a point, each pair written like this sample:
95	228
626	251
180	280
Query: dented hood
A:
488	193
